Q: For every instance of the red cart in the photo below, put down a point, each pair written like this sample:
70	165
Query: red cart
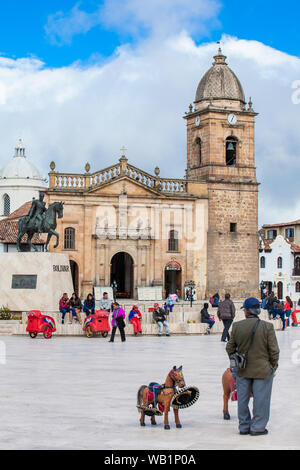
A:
97	324
38	323
296	322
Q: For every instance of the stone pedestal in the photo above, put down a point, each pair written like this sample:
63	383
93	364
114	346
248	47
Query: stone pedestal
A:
34	281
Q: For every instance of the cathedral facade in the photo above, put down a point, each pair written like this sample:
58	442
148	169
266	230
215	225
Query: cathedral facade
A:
122	224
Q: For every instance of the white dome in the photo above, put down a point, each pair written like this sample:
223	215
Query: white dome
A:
20	167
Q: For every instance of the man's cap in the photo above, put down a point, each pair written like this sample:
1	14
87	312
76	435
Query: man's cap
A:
135	306
251	302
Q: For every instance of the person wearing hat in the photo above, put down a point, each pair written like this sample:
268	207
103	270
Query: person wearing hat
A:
134	318
159	316
257	340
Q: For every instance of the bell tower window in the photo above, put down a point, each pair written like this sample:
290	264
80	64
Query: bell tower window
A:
231	146
198	143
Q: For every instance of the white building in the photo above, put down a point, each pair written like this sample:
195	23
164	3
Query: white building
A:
279	267
20	182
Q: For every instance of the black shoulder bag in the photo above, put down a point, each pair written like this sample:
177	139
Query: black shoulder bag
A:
238	360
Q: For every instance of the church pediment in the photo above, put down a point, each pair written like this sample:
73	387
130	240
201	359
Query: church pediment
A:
124	185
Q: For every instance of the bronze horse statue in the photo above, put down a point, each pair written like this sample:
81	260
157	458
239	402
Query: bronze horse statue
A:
164	395
48	225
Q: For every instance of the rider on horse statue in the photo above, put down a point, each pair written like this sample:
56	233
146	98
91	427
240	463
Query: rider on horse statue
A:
35	214
40	220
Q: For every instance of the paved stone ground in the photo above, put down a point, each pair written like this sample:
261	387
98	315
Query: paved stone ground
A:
68	393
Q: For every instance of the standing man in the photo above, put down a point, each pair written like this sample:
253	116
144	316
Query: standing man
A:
226	313
261	363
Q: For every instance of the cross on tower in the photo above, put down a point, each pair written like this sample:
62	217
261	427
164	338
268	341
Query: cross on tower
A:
123	150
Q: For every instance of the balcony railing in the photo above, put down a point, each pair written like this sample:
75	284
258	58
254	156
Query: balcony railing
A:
68	181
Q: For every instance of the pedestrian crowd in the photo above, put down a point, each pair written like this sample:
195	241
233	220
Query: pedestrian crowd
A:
74	307
278	309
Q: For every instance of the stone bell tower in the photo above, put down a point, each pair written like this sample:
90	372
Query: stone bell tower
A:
220	151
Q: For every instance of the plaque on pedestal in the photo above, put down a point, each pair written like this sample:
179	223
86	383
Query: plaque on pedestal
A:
34	281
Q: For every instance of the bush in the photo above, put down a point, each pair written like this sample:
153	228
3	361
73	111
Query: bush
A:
5	313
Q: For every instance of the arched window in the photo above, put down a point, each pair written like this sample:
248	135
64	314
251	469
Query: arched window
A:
279	262
262	262
297	286
231	146
6	204
69	239
173	240
297	263
198	143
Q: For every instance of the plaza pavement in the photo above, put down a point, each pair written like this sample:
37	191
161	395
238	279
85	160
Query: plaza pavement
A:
79	393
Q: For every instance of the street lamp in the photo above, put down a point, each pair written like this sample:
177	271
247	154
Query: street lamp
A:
191	285
262	285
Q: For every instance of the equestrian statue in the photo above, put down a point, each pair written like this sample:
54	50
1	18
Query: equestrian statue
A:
40	220
156	400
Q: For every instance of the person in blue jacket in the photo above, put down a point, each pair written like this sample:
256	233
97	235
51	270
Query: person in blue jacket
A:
89	305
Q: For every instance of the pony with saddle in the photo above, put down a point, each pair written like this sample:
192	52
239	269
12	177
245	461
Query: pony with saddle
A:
156	400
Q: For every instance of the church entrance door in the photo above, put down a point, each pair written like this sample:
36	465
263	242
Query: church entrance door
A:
173	279
75	278
122	273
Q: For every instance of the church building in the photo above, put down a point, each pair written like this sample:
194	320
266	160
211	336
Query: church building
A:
125	225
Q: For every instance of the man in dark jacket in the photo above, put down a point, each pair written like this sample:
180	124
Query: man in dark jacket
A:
159	316
226	313
257	376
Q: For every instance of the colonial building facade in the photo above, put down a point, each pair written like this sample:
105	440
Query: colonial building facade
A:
122	224
279	259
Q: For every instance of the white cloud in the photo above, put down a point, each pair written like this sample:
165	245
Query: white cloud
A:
159	17
77	114
61	27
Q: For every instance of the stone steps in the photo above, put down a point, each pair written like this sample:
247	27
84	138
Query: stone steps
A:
179	326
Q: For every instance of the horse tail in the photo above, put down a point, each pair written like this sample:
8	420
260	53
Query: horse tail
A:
140	394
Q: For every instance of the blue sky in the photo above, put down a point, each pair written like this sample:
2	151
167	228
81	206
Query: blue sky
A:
23	33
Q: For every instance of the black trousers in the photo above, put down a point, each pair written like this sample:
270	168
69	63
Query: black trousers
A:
122	333
227	324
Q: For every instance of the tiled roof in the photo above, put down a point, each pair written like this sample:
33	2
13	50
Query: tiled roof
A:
9	227
20	212
287	224
295	248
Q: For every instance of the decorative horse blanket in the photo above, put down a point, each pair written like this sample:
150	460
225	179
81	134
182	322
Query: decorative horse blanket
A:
154	390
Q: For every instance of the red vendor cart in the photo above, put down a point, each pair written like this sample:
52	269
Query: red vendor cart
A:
38	323
97	324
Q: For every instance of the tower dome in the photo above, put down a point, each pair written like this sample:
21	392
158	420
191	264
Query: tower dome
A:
220	84
20	181
19	166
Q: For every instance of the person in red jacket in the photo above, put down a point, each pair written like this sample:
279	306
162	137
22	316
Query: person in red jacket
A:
134	318
288	305
64	307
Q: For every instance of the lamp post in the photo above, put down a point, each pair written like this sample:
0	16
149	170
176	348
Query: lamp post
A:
262	285
191	285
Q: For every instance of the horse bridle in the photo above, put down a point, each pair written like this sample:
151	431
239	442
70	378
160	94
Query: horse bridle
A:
174	380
